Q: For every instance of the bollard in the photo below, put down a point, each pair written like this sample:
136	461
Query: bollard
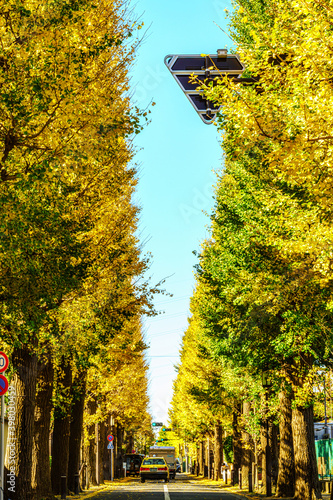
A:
63	487
250	482
76	484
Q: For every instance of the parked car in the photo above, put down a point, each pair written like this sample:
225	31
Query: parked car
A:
178	468
154	468
133	462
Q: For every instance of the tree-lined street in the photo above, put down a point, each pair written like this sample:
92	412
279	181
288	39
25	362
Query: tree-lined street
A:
252	399
179	489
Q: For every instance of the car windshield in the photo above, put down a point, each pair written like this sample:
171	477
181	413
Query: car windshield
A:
154	461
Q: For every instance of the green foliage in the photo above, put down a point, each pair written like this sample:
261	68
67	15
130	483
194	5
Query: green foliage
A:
264	291
73	285
228	449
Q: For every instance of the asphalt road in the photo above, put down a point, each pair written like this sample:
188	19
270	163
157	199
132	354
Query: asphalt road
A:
178	489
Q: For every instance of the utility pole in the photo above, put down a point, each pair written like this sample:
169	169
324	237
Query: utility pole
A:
97	452
208	456
266	383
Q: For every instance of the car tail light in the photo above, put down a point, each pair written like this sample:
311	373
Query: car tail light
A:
162	468
143	468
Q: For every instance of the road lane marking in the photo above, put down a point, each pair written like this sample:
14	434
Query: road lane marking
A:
166	493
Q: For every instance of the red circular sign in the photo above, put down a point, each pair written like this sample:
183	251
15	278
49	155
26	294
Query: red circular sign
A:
110	437
3	385
4	362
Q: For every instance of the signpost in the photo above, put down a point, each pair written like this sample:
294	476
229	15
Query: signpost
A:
4	362
206	69
3	389
3	386
111	448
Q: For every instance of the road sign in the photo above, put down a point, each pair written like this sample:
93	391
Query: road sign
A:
3	385
205	68
4	362
110	446
110	437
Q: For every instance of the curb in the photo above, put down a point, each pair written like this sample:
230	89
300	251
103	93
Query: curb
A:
242	496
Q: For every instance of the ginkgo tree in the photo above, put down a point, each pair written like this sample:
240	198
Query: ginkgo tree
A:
65	141
207	392
269	262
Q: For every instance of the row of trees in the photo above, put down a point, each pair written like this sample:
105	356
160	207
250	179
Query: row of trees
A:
263	300
71	271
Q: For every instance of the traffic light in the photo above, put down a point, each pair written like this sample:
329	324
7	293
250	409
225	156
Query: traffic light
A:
157	424
166	429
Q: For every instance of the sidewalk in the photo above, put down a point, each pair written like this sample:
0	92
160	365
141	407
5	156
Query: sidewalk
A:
93	490
257	496
86	493
239	494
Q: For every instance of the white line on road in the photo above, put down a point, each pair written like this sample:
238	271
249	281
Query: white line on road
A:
166	493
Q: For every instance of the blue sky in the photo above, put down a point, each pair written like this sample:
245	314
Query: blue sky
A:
177	154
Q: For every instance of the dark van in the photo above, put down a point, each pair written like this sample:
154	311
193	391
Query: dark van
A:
133	462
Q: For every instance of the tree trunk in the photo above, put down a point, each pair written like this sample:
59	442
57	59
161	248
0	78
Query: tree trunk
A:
236	441
247	452
201	457
76	426
41	470
83	475
102	440
274	446
61	426
266	473
307	485
91	448
286	476
119	459
24	380
217	451
129	442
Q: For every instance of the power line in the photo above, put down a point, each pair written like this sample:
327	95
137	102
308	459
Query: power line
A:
175	315
172	300
165	332
163	356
